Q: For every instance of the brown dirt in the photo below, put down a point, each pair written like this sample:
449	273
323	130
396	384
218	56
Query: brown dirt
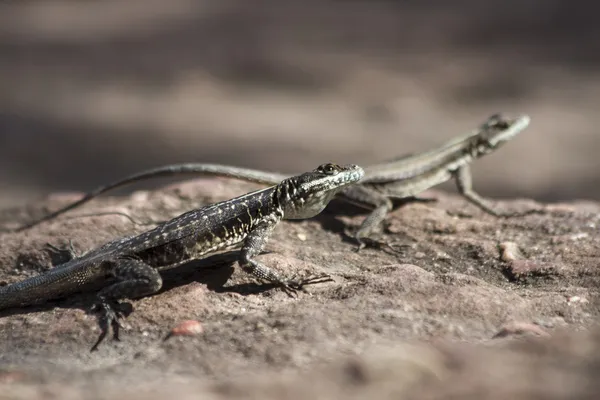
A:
452	316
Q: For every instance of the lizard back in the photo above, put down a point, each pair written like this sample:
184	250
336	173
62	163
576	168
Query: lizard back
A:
196	233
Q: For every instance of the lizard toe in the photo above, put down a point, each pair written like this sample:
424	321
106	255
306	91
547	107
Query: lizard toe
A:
109	314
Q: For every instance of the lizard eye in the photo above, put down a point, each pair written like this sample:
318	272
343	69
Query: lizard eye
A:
329	169
497	121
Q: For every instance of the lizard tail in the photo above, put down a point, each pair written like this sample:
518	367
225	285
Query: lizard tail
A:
53	284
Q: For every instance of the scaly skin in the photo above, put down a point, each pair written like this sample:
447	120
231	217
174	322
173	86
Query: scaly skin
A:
136	262
401	178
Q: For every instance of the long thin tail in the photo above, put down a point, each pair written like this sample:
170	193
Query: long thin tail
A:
251	175
56	283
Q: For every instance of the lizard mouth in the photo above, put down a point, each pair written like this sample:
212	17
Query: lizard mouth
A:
329	183
354	175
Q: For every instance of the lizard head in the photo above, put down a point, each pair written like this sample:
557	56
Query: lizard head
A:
496	131
306	195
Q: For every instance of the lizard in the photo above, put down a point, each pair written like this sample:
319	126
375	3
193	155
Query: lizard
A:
132	265
400	178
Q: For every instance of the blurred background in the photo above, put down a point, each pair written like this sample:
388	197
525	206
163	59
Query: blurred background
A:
91	91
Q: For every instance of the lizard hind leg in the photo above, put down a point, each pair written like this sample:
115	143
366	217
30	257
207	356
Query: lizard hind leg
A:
61	255
134	279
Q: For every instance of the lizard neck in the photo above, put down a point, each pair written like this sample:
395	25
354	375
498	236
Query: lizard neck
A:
296	204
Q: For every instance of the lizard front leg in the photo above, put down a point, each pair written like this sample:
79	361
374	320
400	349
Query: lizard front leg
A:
253	245
464	183
134	279
382	206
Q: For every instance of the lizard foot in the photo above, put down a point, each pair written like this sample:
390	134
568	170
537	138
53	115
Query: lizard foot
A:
536	211
385	245
358	237
361	245
293	285
109	314
61	255
394	248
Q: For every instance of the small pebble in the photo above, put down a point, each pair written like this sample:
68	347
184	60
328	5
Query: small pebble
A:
140	197
579	236
520	328
186	328
11	376
510	251
577	299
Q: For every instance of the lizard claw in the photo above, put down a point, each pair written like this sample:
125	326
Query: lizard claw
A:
293	285
381	244
289	290
311	280
109	315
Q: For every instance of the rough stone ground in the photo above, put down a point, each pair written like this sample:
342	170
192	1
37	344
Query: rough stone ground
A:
449	317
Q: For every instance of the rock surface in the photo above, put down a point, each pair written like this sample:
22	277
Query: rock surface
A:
441	314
